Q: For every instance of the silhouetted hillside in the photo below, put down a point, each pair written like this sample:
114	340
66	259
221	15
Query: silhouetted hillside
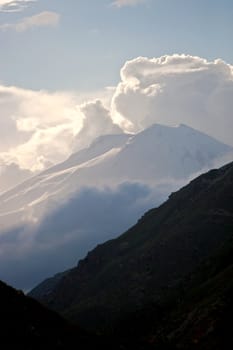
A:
143	268
26	324
198	314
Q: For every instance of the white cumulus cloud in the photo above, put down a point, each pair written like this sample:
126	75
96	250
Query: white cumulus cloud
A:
176	89
43	19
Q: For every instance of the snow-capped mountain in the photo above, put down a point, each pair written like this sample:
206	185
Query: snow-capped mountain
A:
98	192
155	155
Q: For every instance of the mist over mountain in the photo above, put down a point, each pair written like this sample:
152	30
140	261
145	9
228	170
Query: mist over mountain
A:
53	219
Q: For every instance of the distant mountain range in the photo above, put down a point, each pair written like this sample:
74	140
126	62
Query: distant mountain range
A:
179	254
95	195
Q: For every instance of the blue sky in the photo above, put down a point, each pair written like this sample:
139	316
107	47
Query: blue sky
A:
93	38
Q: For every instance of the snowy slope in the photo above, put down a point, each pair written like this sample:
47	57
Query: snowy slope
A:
57	183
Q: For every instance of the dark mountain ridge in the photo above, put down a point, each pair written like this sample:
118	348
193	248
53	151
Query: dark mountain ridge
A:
27	324
149	262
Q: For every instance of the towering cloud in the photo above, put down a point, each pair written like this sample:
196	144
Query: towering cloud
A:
176	89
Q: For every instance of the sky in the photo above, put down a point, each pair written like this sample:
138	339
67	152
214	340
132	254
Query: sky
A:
76	69
82	44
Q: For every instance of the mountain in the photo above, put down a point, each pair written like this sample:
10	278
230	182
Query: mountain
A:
27	324
156	154
56	217
195	315
202	309
146	265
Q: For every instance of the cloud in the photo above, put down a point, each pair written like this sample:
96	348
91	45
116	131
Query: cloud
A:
38	128
122	3
96	122
11	175
43	19
14	5
176	89
29	254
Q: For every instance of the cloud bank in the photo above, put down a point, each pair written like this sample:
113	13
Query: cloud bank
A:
43	19
28	255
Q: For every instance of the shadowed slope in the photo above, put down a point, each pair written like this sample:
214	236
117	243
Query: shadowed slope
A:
143	265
